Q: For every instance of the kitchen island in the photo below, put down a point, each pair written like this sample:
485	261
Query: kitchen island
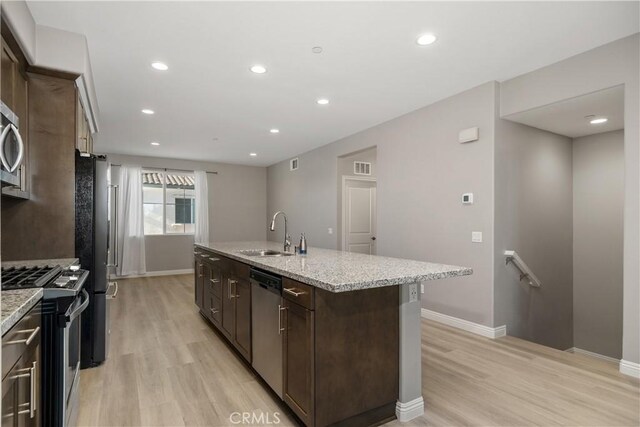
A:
350	326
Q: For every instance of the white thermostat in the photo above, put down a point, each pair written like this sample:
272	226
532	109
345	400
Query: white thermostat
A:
468	135
467	199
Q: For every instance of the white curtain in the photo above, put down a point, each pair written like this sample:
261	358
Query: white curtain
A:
202	207
131	259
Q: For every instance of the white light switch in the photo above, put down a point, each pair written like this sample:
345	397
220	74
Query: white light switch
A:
476	236
422	288
330	230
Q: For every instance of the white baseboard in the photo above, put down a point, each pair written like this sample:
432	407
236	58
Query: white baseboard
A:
630	368
410	410
577	350
465	325
154	273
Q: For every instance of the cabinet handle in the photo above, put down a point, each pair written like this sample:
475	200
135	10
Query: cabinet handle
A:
213	259
214	311
232	292
215	280
293	292
32	386
200	270
31	404
30	338
280	310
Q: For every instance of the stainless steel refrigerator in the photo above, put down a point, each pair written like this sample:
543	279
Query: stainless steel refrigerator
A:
92	249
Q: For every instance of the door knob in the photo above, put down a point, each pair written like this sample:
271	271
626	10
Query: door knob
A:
373	238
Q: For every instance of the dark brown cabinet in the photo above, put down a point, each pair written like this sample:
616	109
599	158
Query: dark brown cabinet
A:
21	367
335	345
299	365
242	317
228	315
223	294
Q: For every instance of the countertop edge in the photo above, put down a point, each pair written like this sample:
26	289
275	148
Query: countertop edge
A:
19	312
463	271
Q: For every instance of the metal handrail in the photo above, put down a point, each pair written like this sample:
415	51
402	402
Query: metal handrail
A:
525	271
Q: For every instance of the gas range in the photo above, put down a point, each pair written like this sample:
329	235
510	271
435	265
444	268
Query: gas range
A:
54	281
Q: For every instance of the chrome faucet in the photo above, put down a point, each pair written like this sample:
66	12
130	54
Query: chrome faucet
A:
287	238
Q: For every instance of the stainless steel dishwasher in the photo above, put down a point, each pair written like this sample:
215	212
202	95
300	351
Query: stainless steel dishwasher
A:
266	306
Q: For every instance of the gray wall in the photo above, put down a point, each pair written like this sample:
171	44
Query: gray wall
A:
533	216
607	66
598	204
237	208
422	173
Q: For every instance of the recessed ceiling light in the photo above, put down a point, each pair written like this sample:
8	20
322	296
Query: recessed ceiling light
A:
426	39
316	49
147	111
323	101
258	69
155	144
160	66
275	131
599	121
253	154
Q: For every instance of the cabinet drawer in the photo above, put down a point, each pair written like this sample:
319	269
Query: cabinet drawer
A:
14	342
299	293
241	270
215	282
215	310
211	258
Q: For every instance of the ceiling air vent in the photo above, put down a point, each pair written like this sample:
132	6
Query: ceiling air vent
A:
293	164
362	168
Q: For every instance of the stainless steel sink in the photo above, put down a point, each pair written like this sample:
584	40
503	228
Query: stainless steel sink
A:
265	253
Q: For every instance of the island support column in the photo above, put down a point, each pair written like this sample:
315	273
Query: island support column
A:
410	403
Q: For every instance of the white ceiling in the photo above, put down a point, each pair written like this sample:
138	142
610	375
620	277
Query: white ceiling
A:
371	68
568	117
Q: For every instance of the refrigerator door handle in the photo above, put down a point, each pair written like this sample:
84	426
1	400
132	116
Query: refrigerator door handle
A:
115	227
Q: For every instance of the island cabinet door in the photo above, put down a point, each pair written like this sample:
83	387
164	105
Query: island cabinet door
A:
199	282
242	339
206	291
228	306
299	361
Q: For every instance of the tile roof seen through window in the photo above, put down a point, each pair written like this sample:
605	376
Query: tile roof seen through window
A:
173	181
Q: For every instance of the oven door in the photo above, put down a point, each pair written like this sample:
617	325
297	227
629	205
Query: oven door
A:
71	358
11	147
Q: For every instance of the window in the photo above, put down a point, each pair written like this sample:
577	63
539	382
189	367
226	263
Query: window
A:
169	202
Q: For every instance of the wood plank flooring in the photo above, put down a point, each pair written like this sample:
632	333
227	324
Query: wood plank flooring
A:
168	368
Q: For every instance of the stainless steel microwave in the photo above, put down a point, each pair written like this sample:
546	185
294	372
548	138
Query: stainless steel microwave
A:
11	147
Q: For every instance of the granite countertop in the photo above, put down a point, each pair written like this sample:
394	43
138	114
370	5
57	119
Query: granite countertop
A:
15	304
338	271
62	262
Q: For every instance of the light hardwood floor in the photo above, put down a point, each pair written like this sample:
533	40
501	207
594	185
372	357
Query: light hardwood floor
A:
167	367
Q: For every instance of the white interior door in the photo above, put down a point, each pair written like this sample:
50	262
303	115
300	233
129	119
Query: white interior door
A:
360	216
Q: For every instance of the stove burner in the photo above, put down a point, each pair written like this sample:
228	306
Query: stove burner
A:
28	277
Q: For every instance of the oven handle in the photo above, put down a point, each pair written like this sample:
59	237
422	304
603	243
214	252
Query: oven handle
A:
69	317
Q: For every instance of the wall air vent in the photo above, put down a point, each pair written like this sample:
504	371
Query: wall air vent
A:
361	168
293	164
